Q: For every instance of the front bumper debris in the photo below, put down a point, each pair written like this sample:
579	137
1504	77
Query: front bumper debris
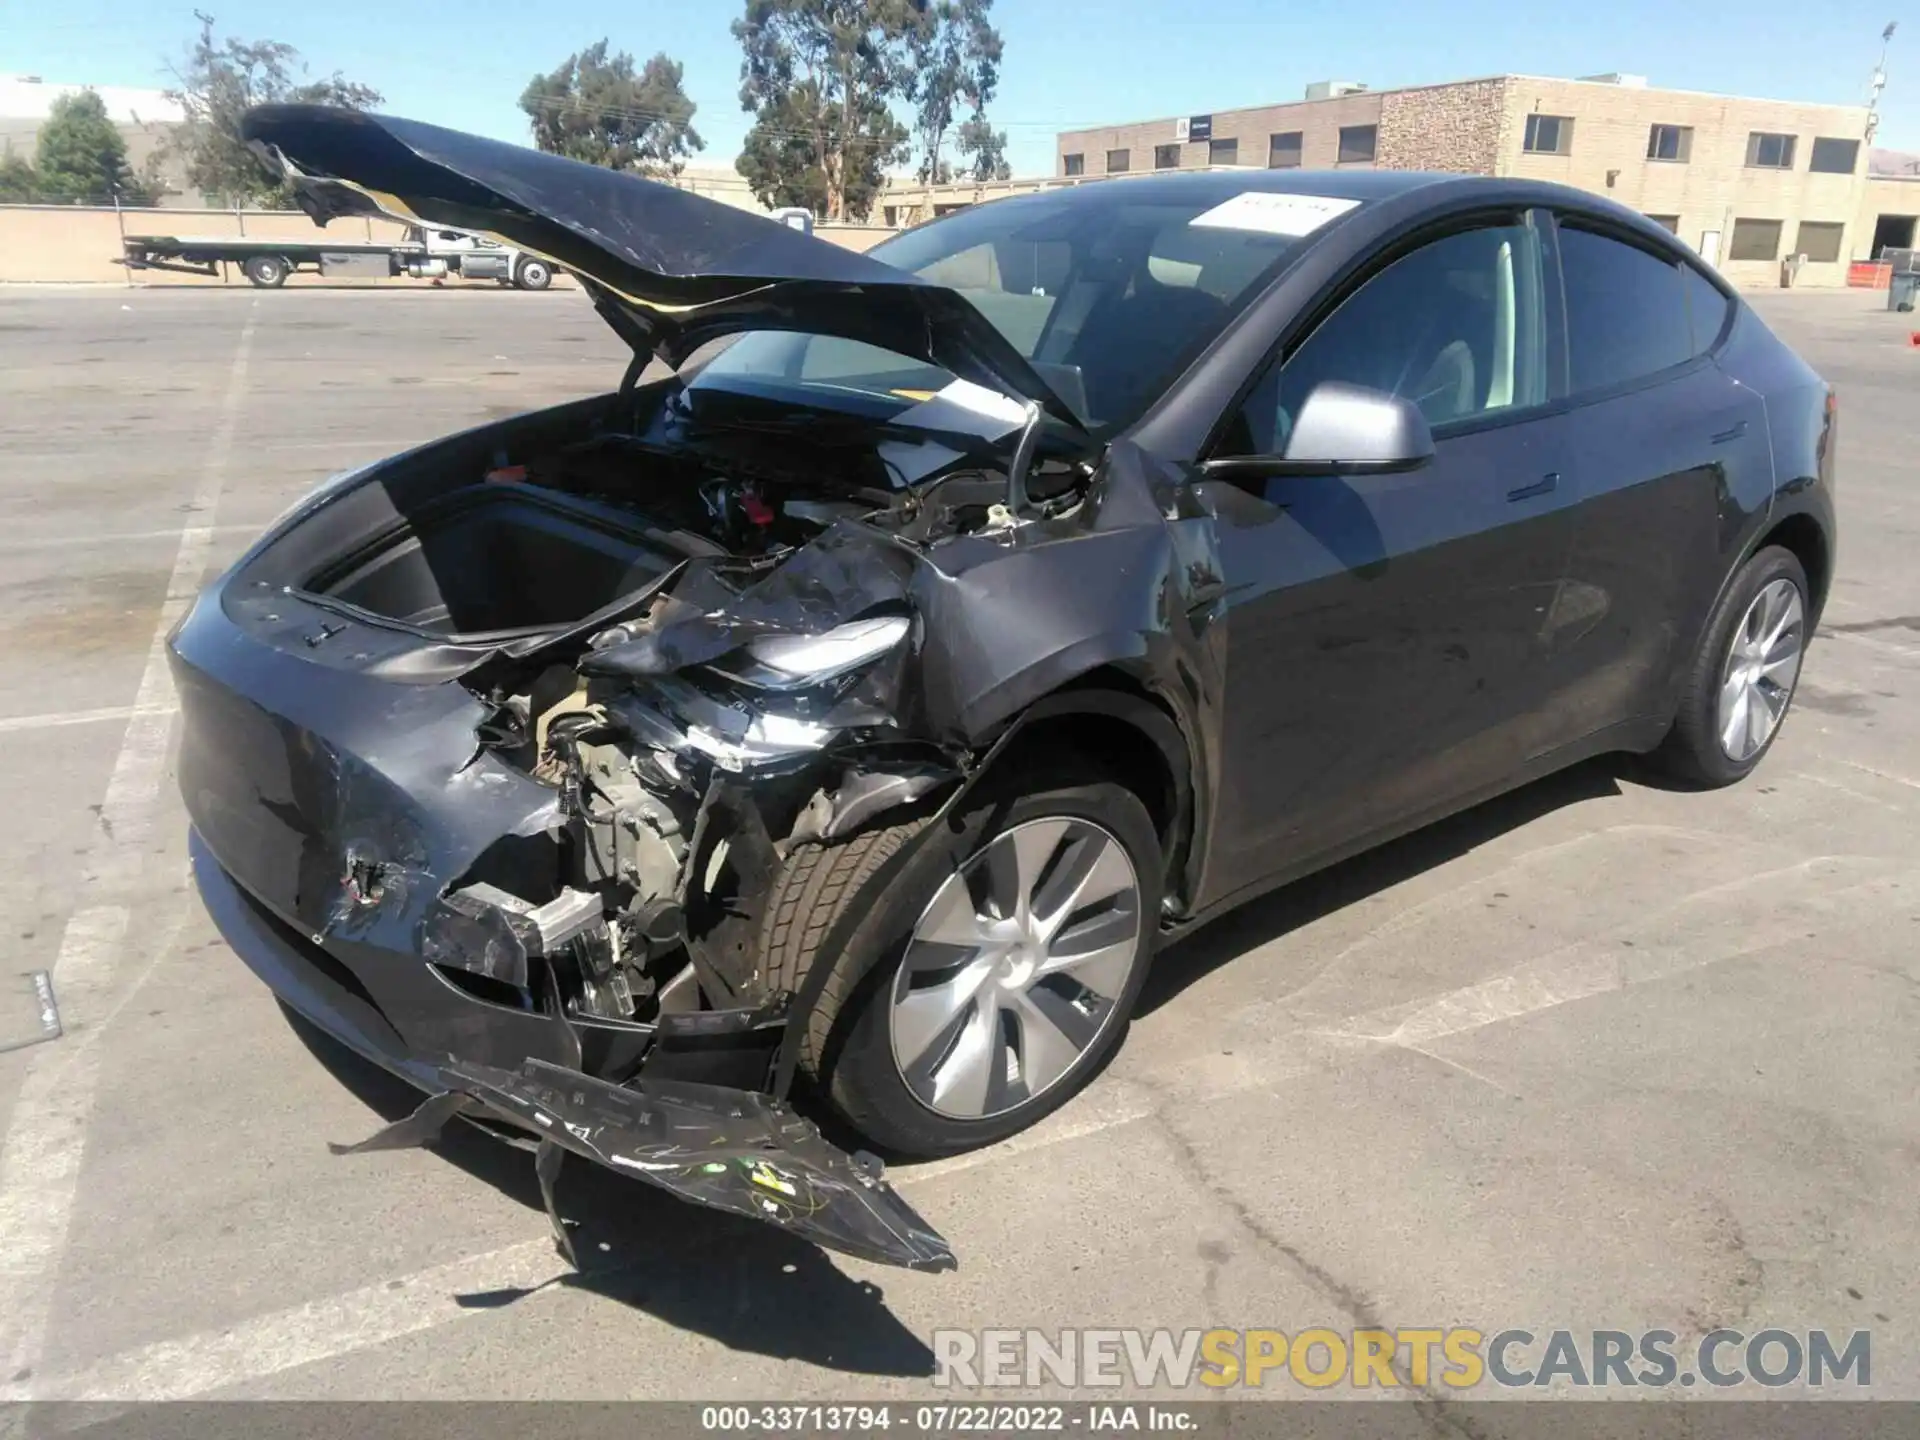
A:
732	1149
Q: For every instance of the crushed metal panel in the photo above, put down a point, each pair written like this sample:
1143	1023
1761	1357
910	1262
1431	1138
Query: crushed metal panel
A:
729	1149
678	268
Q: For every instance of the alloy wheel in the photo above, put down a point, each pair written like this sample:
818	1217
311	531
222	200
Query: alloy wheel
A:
1016	967
1763	666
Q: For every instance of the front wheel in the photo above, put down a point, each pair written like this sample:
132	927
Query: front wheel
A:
534	275
1742	679
269	272
983	968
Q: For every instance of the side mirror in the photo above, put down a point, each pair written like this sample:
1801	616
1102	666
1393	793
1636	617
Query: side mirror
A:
1342	430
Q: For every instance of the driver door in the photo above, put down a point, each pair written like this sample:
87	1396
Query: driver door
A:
1385	632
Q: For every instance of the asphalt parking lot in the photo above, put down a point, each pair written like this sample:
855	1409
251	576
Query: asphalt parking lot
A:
1598	1054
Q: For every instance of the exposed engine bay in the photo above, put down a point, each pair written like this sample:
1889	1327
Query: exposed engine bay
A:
513	739
507	758
644	903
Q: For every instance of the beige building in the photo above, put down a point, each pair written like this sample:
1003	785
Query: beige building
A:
1892	205
717	182
1748	183
144	118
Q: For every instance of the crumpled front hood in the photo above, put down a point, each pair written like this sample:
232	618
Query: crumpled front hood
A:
670	269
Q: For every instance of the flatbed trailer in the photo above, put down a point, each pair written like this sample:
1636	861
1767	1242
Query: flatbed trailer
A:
267	262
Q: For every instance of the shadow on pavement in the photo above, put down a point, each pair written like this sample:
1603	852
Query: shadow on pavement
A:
758	1289
1291	907
745	1284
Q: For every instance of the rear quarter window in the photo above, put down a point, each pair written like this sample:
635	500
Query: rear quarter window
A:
1626	310
1707	309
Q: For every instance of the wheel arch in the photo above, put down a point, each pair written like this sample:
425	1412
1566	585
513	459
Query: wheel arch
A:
1803	533
1107	712
1802	536
1111	716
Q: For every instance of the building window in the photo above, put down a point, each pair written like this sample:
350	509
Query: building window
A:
1223	152
1356	144
1283	151
1670	142
1166	157
1819	241
1668	223
1834	157
1549	135
1767	151
1073	164
893	217
1117	162
1754	240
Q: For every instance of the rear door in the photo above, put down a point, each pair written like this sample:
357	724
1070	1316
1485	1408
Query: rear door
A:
1383	631
1661	443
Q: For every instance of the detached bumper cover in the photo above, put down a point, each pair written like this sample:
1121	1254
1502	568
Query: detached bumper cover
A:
730	1149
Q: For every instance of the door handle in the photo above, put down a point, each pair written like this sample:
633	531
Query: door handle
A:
1732	432
1543	486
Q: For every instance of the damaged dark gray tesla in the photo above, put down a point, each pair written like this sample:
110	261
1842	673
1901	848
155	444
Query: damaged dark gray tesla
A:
842	710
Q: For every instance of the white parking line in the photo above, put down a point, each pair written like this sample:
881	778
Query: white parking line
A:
268	1344
1698	928
1810	891
45	1142
1872	642
1827	892
1887	775
40	1163
110	537
14	724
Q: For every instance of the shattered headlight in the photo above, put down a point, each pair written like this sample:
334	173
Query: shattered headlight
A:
792	662
768	738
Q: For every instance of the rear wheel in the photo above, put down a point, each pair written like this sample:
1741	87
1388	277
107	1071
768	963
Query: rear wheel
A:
269	272
534	275
1743	678
983	968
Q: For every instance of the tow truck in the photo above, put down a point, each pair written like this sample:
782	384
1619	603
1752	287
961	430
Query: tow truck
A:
421	254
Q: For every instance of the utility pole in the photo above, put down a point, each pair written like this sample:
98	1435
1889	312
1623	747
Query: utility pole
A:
120	219
1879	81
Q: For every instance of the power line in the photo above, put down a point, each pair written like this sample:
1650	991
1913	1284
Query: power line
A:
641	113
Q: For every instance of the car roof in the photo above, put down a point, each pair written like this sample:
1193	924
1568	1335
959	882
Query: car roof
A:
1199	186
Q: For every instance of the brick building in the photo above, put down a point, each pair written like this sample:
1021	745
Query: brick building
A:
1748	183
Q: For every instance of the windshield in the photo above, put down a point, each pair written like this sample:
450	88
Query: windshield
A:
1107	292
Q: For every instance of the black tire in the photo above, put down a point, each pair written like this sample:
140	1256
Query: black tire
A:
1692	751
269	272
853	905
533	274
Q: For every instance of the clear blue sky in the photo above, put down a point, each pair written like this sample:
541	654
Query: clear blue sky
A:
1067	64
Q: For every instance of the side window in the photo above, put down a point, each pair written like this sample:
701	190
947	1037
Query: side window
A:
1626	310
1454	326
1706	307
